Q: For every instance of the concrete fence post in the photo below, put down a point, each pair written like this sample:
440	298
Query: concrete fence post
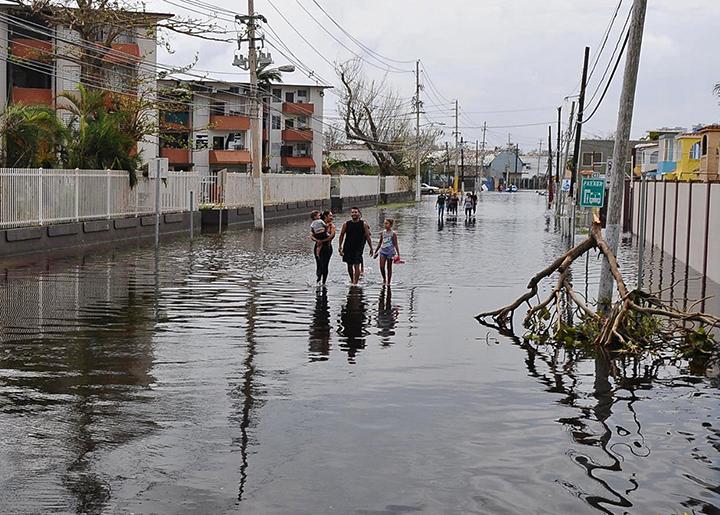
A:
77	194
40	196
107	200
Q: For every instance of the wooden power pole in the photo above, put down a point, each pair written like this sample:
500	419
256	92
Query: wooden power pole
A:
620	150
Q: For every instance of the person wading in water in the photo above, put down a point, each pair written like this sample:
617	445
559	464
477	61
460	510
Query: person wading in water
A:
353	236
323	255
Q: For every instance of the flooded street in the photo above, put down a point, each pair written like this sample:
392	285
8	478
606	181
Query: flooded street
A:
212	377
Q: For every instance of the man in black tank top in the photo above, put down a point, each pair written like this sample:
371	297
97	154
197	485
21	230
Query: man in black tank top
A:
353	236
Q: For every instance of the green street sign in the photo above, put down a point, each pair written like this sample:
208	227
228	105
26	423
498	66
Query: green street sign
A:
592	192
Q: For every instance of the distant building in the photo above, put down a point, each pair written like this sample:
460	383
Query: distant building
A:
352	152
710	153
646	159
212	131
687	155
595	154
506	166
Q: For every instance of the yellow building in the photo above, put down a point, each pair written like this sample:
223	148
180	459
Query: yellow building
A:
687	154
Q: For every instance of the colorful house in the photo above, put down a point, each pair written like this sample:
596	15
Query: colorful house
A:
667	160
646	159
687	155
709	153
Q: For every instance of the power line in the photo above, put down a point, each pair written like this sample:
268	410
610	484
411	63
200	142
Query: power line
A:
389	68
357	41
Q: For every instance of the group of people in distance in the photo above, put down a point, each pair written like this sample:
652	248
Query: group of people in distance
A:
354	234
451	201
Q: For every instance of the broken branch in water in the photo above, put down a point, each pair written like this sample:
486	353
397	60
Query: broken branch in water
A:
637	321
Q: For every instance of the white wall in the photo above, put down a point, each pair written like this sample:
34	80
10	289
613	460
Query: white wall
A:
358	185
664	192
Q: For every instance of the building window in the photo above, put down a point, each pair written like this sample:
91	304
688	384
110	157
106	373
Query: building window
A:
695	151
591	158
302	95
276	122
236	141
217	108
235	90
277	95
704	145
289	123
290	97
201	141
218	143
302	122
302	150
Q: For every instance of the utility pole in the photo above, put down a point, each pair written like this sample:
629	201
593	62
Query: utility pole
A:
578	123
482	152
461	184
549	169
475	186
417	130
539	152
447	162
622	140
517	152
457	133
576	153
557	160
256	119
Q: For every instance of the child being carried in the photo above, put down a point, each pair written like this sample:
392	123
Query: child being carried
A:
318	231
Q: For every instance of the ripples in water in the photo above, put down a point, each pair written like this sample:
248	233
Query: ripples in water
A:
212	377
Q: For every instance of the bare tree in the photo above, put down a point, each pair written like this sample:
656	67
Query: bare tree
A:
376	116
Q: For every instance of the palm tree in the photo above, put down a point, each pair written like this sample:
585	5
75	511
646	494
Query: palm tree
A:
31	136
97	139
266	76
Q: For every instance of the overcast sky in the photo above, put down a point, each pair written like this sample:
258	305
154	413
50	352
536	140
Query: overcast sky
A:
521	57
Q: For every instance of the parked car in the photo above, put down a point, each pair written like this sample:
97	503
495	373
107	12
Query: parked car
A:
426	189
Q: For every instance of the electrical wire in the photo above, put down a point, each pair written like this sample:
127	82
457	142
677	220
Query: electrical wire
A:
387	69
607	86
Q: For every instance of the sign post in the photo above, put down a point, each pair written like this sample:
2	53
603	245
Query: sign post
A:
592	192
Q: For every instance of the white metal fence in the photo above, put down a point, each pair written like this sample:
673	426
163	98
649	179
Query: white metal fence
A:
238	189
31	197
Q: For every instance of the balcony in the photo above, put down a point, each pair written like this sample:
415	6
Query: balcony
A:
123	53
229	123
31	49
289	135
297	162
32	96
298	108
176	156
176	121
230	157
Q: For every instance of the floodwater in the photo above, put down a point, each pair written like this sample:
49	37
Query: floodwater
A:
212	377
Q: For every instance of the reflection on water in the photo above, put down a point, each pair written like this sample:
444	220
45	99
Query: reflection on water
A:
353	323
320	328
207	378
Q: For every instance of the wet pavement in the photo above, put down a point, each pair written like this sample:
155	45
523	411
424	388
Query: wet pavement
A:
212	377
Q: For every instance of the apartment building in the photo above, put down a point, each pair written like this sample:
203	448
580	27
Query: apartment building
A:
209	130
38	62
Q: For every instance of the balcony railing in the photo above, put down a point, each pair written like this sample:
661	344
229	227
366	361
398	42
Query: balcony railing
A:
123	53
179	156
298	108
297	162
31	49
230	157
32	96
297	135
229	123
